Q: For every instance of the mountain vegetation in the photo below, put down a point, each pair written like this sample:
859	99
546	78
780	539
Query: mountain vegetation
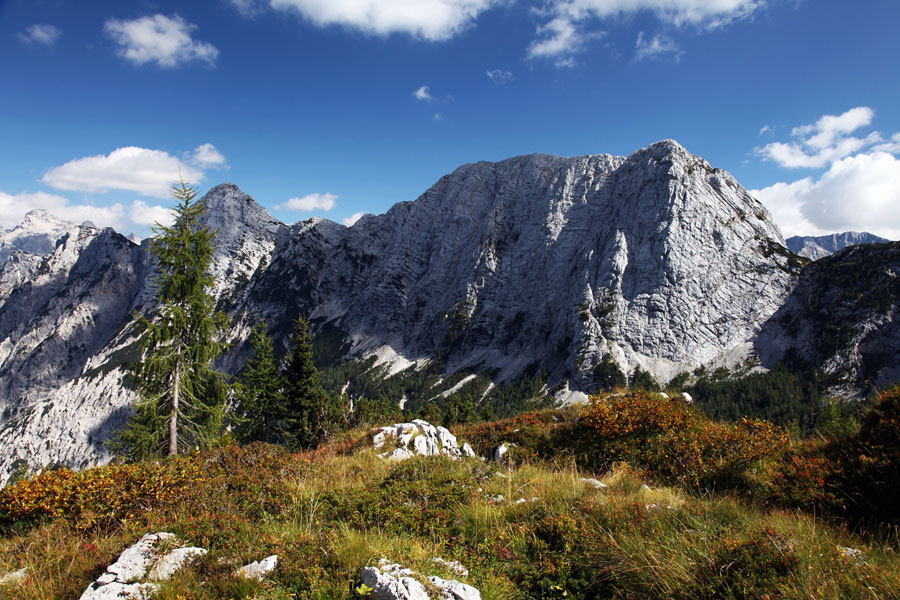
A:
631	496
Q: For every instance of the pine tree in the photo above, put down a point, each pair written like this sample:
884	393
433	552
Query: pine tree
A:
182	397
307	413
258	393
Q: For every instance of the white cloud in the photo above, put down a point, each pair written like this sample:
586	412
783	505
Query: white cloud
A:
143	214
45	35
309	202
785	202
14	207
565	33
859	191
428	19
438	117
766	130
891	147
654	47
206	156
147	172
422	93
349	221
561	38
499	76
161	39
823	142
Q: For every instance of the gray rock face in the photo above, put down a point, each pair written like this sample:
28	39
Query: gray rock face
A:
843	318
816	247
656	260
36	234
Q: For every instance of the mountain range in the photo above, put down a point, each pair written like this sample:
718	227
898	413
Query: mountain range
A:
815	247
538	263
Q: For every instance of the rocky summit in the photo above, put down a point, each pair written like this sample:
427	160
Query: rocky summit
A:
655	261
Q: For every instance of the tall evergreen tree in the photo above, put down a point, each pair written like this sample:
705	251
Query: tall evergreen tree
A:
307	412
258	393
182	397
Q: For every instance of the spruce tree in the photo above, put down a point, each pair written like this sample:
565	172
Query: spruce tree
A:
258	393
182	397
306	415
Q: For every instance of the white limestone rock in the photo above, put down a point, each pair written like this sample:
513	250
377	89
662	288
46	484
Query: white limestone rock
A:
119	591
122	579
386	586
172	562
418	438
594	482
259	569
455	590
13	576
453	565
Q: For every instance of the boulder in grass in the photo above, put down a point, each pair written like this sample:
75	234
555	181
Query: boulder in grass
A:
259	569
418	438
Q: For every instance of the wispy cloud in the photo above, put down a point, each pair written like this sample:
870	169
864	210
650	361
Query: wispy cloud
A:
570	24
499	76
164	40
309	202
656	46
43	34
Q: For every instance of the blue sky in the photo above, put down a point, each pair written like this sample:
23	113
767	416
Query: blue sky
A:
339	107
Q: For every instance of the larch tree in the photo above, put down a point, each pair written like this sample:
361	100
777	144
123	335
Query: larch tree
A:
182	398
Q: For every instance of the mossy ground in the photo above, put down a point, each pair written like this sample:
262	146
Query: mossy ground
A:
330	512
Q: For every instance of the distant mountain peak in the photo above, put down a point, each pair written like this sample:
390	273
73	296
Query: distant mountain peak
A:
816	247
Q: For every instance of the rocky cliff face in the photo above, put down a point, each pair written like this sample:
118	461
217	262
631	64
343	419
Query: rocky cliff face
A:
816	247
655	260
843	318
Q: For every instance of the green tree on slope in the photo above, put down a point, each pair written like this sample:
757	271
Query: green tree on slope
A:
182	397
307	413
258	392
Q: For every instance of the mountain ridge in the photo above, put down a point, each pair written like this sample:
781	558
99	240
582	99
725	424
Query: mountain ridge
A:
654	261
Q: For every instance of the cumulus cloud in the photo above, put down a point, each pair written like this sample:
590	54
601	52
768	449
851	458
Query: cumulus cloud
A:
43	34
565	33
143	214
499	76
309	202
349	221
427	19
858	191
422	93
206	156
147	172
14	207
164	40
654	47
824	141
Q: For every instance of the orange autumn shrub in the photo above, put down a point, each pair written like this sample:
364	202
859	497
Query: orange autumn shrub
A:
673	441
110	492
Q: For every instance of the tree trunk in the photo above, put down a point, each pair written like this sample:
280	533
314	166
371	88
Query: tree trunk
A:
173	420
